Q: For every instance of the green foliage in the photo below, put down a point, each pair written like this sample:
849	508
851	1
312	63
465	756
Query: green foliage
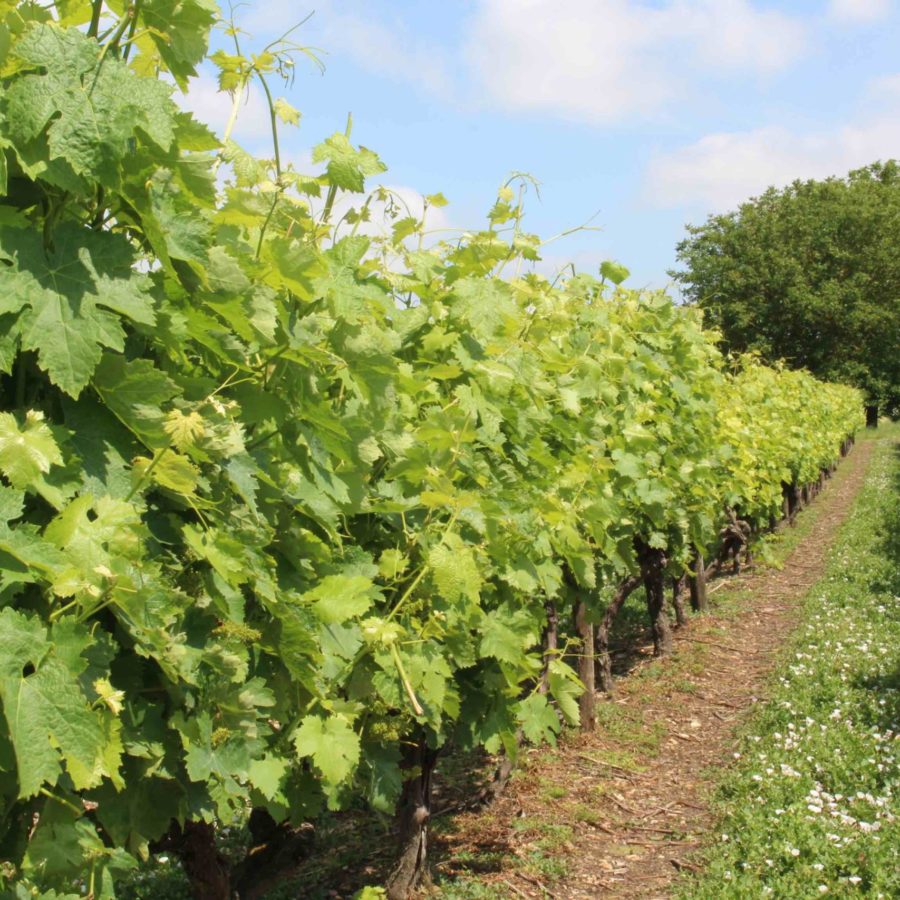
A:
777	427
278	498
70	297
809	275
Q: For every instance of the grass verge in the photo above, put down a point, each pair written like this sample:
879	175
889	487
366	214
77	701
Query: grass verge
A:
811	807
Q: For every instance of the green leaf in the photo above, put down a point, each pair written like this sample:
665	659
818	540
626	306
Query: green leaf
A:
184	429
627	464
50	721
34	558
370	893
213	752
12	504
171	470
392	563
29	452
507	633
347	167
538	720
71	298
332	744
170	222
614	272
88	108
103	446
266	775
220	550
349	295
454	569
287	113
136	391
565	689
385	778
94	532
295	265
338	598
179	31
481	304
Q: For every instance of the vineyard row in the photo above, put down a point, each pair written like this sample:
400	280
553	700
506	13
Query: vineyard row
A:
291	502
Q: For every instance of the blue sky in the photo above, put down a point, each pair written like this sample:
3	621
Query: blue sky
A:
646	114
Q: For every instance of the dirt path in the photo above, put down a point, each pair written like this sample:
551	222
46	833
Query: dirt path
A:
625	807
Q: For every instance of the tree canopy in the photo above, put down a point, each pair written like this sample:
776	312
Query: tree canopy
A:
808	274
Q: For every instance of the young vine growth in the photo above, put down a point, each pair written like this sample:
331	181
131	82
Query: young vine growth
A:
285	506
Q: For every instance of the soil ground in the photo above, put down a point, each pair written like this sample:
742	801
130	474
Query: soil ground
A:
619	812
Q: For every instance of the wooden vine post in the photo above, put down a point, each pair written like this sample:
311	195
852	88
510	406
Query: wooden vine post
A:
697	583
587	702
551	643
678	600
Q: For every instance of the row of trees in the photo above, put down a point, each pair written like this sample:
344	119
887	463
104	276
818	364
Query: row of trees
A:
285	509
809	274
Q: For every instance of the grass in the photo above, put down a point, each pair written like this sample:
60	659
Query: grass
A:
811	807
550	790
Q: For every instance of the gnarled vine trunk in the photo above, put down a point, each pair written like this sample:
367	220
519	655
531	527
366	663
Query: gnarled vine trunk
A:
791	496
277	851
653	563
604	662
207	870
414	814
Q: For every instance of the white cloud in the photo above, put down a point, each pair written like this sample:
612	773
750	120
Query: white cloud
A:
886	86
859	10
603	60
721	170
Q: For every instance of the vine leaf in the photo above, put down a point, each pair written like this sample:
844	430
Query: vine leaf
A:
135	391
74	122
538	720
71	297
347	167
179	32
207	753
454	570
26	453
82	114
47	714
507	633
338	598
332	744
266	775
12	504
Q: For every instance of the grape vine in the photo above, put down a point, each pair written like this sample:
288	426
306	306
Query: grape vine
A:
283	504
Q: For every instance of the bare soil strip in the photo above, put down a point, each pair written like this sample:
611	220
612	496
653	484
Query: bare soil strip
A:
625	807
